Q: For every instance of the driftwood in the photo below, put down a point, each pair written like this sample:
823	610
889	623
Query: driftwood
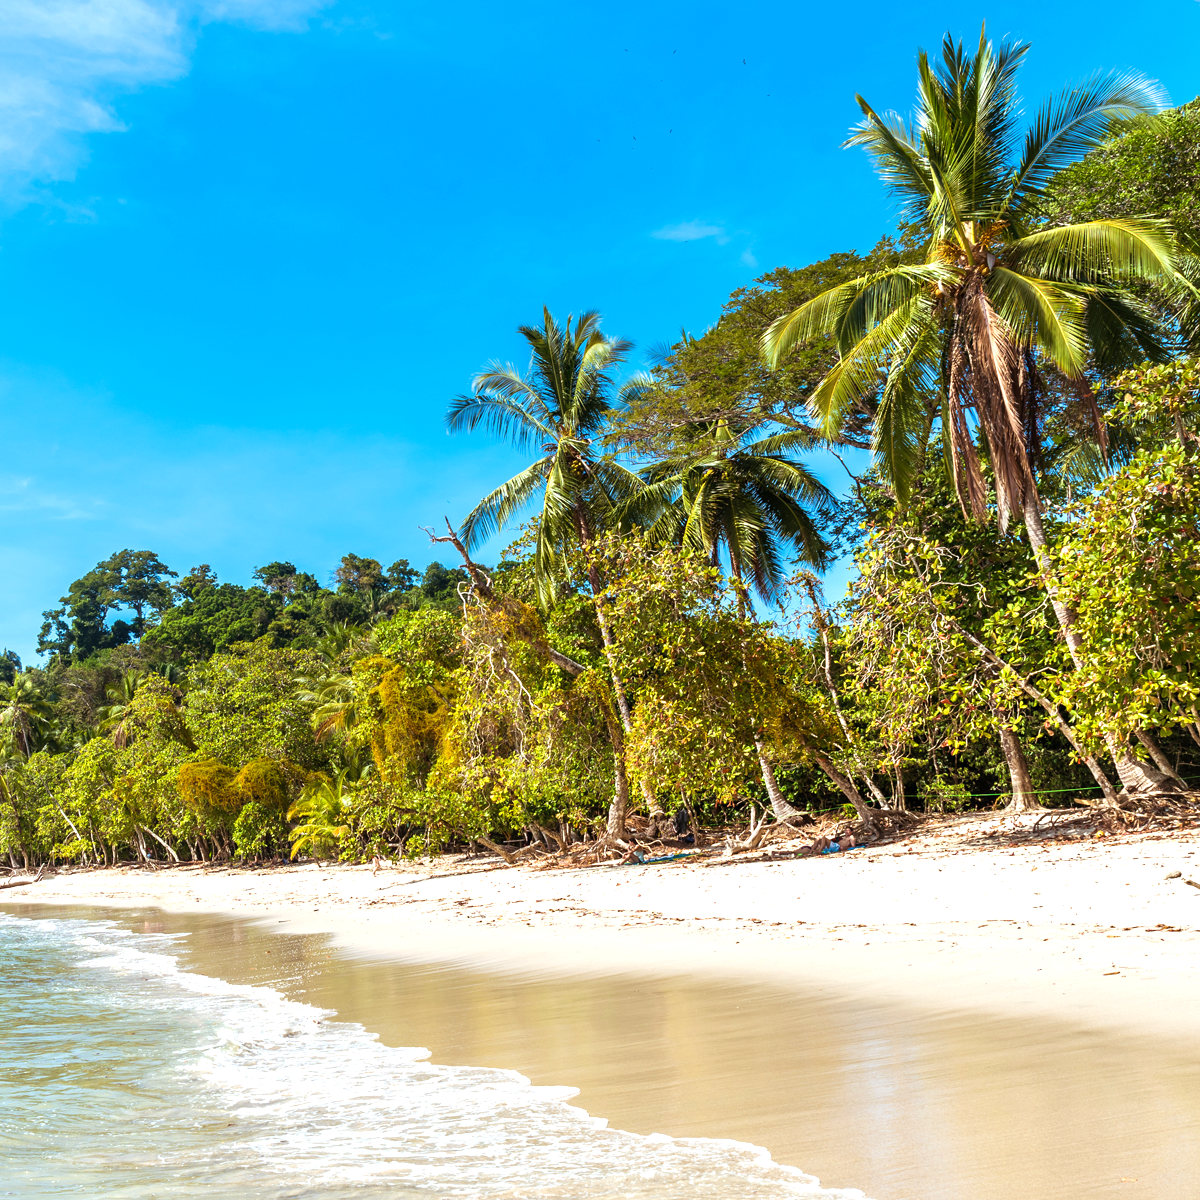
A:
11	883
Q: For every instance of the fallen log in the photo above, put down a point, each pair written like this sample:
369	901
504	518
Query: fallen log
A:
11	883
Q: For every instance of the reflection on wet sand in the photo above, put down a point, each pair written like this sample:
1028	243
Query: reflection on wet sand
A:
903	1105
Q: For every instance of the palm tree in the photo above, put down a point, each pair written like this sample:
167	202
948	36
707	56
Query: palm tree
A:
332	692
751	500
996	292
322	810
114	716
24	715
561	407
747	497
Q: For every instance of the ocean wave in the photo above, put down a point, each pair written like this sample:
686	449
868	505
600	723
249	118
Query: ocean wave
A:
284	1101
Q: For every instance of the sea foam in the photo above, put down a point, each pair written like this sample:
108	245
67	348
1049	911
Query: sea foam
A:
244	1092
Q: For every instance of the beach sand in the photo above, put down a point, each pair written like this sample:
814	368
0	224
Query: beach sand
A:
928	1020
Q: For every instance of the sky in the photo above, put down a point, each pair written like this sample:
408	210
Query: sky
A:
249	249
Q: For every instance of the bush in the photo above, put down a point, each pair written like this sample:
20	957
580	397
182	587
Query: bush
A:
259	831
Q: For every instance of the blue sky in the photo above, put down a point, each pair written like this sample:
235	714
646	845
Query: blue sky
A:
249	248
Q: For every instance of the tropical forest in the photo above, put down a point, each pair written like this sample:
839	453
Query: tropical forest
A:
988	424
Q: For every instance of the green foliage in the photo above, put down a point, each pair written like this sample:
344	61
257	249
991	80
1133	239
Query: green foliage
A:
130	579
209	785
1130	569
259	830
212	618
322	813
242	705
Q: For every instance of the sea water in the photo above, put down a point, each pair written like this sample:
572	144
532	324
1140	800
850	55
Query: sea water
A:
124	1075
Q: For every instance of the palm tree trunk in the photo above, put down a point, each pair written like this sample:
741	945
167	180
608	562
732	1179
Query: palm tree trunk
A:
658	817
1024	799
1135	776
781	809
1160	759
845	785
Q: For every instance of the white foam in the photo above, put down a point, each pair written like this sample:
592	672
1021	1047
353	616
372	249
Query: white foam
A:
309	1100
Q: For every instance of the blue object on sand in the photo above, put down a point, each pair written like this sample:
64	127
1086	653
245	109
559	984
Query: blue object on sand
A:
832	848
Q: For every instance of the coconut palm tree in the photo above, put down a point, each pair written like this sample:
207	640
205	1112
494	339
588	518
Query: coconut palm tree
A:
964	330
114	716
749	499
745	497
561	406
25	715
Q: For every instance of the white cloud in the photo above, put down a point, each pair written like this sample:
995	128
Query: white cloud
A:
749	259
691	231
63	62
263	14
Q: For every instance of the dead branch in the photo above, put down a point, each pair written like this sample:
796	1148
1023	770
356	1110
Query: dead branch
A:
12	883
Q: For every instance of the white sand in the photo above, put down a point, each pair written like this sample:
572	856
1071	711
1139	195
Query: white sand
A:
1089	932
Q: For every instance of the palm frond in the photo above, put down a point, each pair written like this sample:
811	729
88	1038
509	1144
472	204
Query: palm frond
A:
866	301
500	417
1078	120
1098	252
1040	313
499	506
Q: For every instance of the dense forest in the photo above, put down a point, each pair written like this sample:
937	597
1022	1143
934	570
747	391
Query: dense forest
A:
655	647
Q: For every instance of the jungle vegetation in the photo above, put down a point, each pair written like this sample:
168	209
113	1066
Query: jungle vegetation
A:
1008	380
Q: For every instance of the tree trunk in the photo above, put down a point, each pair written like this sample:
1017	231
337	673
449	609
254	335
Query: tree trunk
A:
846	786
166	846
782	810
1160	759
1023	797
655	809
618	810
819	615
899	800
1135	776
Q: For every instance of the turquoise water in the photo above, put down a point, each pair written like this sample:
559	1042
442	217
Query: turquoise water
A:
123	1075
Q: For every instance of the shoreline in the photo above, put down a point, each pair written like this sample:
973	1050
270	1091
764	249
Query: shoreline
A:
1094	934
963	1048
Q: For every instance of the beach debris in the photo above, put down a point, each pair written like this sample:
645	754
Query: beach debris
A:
1174	874
12	883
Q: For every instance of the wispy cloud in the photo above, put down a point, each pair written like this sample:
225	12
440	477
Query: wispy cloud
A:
691	231
64	62
749	260
263	14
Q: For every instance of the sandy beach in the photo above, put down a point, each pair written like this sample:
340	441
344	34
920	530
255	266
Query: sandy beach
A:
1033	974
968	917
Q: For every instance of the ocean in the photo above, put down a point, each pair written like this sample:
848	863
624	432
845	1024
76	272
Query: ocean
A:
123	1074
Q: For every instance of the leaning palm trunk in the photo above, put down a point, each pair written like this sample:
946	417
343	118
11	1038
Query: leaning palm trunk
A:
1024	798
780	808
620	805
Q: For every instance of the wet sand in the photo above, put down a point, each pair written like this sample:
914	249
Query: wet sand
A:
906	1102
